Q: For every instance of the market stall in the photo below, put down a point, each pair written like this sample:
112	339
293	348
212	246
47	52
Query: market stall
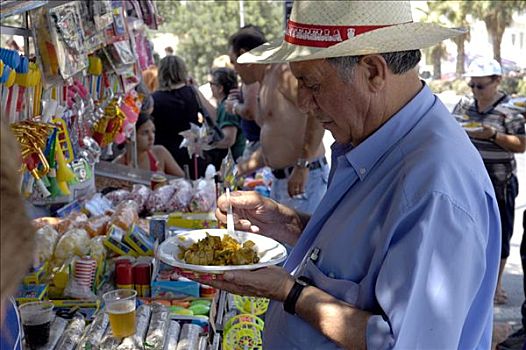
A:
69	102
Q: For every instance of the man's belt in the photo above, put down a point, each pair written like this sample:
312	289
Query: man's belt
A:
285	173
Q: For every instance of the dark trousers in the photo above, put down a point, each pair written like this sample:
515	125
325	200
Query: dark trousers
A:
523	261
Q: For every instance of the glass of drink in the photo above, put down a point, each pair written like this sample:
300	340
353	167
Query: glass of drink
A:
36	320
120	306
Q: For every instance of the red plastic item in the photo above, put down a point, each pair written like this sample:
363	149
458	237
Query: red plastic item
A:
124	275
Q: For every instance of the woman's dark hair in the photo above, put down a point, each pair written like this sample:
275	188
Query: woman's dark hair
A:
143	118
172	70
225	77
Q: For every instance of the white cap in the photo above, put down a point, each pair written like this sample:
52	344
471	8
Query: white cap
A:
483	67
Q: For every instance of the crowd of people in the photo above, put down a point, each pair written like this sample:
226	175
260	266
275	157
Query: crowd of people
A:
403	242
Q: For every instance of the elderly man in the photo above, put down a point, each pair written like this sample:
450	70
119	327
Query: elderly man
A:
403	250
291	140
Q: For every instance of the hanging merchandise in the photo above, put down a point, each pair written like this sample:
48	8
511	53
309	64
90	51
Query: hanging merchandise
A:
32	137
109	126
68	38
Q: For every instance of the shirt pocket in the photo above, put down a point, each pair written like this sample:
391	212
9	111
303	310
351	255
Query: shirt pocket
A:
345	290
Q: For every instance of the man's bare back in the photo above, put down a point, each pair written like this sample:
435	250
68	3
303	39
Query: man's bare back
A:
283	125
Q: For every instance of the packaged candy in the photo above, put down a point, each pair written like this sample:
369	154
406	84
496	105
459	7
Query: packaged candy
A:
74	220
204	198
140	195
72	334
126	214
135	342
45	240
75	242
158	326
97	225
93	336
157	202
181	199
117	196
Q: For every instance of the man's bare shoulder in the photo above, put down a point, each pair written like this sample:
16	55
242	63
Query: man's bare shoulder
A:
280	79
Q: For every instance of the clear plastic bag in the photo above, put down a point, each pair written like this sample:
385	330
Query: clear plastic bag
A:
126	214
75	242
140	195
204	198
180	200
45	241
157	202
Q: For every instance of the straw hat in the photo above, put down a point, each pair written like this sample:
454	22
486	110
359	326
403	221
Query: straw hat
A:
321	29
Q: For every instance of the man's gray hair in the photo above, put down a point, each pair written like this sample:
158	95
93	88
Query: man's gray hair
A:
172	70
398	62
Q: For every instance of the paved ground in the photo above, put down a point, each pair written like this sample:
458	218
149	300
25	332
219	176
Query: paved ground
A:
507	317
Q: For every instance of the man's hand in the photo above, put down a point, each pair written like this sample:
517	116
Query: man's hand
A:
269	282
297	180
484	134
255	213
233	98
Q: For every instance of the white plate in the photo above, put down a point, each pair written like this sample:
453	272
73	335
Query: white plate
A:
514	104
270	252
472	126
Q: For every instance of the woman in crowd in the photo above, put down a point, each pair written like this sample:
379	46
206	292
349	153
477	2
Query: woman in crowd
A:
175	107
149	156
17	240
500	135
222	81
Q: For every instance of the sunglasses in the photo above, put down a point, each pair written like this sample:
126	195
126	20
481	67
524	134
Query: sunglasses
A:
479	86
212	83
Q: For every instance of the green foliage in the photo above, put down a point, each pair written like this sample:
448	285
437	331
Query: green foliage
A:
497	15
203	27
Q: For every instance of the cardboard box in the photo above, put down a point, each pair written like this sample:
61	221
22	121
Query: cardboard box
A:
36	275
192	220
164	287
34	292
140	241
115	242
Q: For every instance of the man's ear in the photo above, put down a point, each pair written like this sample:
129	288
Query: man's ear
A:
376	71
242	51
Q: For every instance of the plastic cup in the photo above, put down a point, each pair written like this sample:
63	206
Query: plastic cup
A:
120	306
36	321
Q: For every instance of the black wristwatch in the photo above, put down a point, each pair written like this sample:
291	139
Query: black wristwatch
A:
494	136
289	305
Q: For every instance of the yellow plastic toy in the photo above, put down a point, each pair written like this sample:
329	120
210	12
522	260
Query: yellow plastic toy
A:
251	305
244	319
11	79
63	139
243	336
95	65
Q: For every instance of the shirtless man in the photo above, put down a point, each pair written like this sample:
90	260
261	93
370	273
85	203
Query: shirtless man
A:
291	140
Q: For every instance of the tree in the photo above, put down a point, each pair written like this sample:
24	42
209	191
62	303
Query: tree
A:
451	13
203	27
497	15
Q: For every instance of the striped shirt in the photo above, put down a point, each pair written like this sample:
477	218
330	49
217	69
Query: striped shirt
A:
504	120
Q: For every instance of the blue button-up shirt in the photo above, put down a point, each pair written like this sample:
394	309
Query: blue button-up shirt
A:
408	230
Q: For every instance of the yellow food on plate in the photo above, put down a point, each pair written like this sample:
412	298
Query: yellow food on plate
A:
520	104
214	251
471	125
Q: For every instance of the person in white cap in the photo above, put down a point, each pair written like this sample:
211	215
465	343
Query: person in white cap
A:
500	135
403	250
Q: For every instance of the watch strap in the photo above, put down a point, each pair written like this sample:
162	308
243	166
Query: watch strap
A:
494	136
289	305
302	163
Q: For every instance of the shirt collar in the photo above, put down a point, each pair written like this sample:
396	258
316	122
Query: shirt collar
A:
364	156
